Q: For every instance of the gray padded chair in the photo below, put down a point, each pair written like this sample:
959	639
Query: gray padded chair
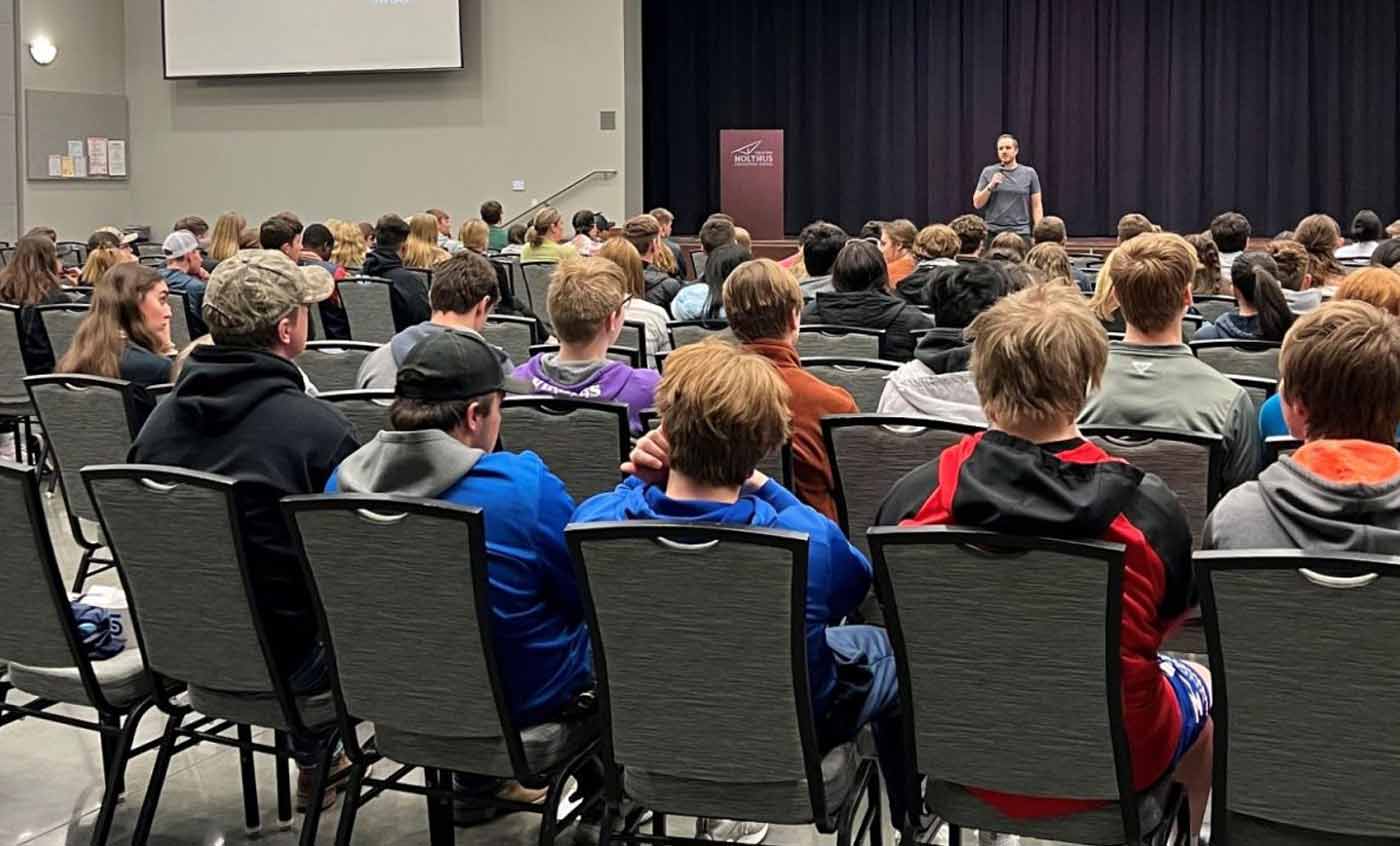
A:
333	365
435	693
1303	670
15	407
1191	463
367	410
1240	358
776	465
1259	389
627	355
180	321
824	340
1189	324
742	744
863	378
583	442
45	655
369	307
536	275
178	539
698	258
1010	678
511	333
693	331
634	336
87	420
1278	446
61	323
1212	307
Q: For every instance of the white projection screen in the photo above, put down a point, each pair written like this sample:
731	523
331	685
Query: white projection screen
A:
212	38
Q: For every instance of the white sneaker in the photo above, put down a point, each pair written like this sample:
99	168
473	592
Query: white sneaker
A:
991	838
730	831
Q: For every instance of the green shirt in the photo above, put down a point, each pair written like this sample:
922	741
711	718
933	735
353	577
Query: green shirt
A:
497	240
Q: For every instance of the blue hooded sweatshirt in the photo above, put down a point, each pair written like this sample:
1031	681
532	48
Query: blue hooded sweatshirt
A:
541	637
838	576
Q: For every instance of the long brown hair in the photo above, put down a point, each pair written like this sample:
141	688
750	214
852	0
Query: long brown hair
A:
223	242
114	319
1207	280
32	272
620	252
1319	234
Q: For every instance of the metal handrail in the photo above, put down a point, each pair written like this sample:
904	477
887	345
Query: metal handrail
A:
608	172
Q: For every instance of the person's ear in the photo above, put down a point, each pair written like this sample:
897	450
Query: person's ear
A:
286	328
795	320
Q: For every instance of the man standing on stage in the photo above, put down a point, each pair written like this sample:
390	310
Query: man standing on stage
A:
1010	192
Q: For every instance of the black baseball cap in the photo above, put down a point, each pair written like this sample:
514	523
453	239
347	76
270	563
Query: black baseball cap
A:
452	366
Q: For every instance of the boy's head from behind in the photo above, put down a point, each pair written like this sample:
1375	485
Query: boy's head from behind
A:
1341	373
586	299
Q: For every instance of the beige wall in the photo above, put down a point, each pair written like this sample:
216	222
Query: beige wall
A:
91	59
526	107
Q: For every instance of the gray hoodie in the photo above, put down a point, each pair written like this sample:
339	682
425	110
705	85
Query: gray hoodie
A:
380	369
1291	507
914	389
419	464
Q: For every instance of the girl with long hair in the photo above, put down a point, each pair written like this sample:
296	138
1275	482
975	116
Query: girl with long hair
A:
225	238
100	261
350	247
543	240
32	279
1263	313
475	235
620	252
1320	236
126	335
1208	281
421	250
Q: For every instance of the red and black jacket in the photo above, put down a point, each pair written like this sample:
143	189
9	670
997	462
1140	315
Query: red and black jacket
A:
1073	489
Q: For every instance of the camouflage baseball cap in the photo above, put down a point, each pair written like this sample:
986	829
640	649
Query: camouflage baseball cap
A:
253	289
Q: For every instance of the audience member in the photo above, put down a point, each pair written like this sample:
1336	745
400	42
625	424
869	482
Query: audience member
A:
1207	282
111	238
1103	304
1261	314
1339	492
101	260
1049	229
1393	230
421	250
444	231
665	219
240	410
1320	236
367	233
474	236
1051	259
1152	378
350	247
318	241
515	240
935	247
587	300
1038	353
283	234
871	230
249	239
897	248
1230	231
585	240
1011	243
544	237
184	274
1387	253
1366	233
1132	225
1292	262
764	305
742	238
704	300
862	299
43	232
644	233
620	252
224	241
819	243
31	278
722	410
972	233
408	296
716	232
196	226
491	213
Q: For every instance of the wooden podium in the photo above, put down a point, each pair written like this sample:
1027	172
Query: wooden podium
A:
751	180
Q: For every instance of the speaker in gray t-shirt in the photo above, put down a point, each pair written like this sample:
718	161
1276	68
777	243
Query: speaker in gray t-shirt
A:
1009	207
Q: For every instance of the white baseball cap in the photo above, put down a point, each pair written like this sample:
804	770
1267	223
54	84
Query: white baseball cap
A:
179	243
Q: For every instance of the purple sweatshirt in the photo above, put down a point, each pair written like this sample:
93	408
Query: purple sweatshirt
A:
610	381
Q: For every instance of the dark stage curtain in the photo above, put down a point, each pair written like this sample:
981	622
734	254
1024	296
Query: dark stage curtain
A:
1179	109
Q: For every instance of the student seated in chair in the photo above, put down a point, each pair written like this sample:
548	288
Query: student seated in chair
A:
1340	492
1037	355
723	410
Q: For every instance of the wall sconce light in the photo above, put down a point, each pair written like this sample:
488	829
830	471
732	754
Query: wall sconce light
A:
42	50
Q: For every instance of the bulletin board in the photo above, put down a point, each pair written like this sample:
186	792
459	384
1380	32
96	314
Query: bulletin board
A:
54	118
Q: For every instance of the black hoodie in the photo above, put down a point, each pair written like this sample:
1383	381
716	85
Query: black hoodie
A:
871	310
409	297
246	415
661	288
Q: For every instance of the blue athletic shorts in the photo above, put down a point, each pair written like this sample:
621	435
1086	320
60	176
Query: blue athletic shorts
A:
1193	700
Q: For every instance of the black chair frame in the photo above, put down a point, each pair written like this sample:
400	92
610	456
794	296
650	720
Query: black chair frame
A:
641	329
827	820
18	422
998	544
1275	445
438	783
1215	474
177	736
707	325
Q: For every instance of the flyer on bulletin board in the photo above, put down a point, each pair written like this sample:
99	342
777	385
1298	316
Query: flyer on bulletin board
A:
97	156
75	149
55	165
66	166
116	157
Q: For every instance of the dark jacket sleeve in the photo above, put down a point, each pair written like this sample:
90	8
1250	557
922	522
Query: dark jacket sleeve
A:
899	341
908	494
409	299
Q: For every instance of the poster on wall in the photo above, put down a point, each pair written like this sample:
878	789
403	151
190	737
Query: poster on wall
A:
75	149
55	165
65	167
80	168
116	157
97	156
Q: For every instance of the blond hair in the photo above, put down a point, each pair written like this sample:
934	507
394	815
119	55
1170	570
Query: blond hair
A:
1151	275
227	235
1341	362
1103	304
100	261
665	261
1037	355
350	247
620	252
936	241
759	300
1053	260
421	249
1379	286
722	410
583	294
475	235
540	224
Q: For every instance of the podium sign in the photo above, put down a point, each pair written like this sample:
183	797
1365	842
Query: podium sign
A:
751	180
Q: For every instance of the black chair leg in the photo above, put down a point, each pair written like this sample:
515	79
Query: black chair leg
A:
351	805
440	829
83	564
284	781
954	835
252	818
658	824
312	822
115	769
875	803
142	833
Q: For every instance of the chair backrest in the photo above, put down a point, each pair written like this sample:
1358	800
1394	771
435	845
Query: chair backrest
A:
511	333
318	326
581	441
776	465
1212	307
1278	446
390	669
333	365
368	411
627	355
863	378
939	338
505	280
1303	667
155	262
870	452
1240	358
12	370
826	340
148	249
693	331
369	307
1189	324
1191	463
88	420
7	253
1258	388
180	321
61	323
634	335
698	258
177	538
536	275
653	593
1007	649
71	253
